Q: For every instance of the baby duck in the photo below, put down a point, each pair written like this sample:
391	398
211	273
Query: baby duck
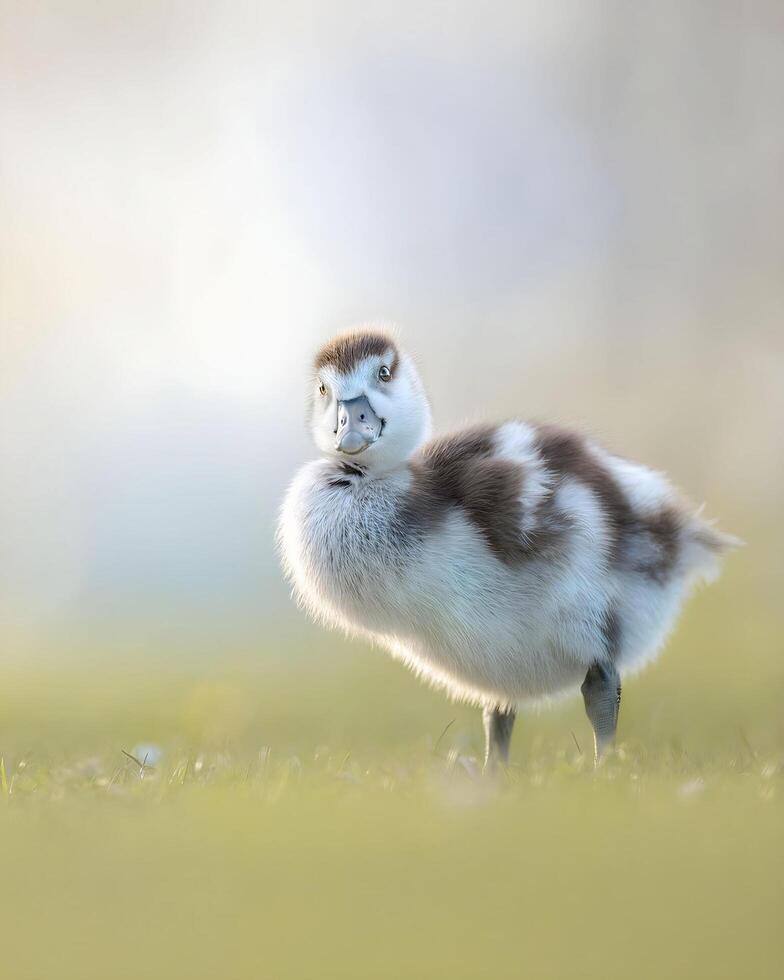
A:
503	563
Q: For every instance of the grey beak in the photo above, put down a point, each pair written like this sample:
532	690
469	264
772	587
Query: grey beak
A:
358	426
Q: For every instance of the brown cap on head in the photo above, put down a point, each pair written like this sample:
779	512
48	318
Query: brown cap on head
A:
347	350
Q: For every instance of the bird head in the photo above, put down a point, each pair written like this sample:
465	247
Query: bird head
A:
368	405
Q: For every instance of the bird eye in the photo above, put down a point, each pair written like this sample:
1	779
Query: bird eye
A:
384	374
322	388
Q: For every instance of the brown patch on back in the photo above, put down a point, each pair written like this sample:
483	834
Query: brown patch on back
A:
489	491
645	543
461	471
663	530
347	350
566	454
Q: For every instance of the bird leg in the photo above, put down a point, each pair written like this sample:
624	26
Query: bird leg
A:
602	695
498	724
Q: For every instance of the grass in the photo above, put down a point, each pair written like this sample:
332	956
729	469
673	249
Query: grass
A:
321	814
240	864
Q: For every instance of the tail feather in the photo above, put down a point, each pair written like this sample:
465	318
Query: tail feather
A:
704	546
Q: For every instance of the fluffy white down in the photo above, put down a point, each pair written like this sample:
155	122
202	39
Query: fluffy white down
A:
485	631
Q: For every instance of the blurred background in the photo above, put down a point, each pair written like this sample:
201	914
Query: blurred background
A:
573	212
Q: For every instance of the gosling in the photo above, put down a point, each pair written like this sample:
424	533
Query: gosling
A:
503	563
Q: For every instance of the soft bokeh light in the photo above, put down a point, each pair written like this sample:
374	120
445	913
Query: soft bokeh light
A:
572	213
